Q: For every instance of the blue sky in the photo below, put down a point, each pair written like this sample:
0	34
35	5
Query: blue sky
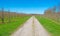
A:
28	6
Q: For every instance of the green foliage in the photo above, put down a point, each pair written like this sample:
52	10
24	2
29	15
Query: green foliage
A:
8	28
52	27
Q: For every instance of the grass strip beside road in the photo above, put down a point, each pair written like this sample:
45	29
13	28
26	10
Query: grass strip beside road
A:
8	28
52	27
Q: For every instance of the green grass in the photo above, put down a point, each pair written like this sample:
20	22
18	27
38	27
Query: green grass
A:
52	27
8	28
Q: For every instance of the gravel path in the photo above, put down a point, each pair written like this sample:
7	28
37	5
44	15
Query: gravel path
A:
31	27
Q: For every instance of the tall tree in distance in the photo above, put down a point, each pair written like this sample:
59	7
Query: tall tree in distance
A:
9	15
2	15
58	12
54	9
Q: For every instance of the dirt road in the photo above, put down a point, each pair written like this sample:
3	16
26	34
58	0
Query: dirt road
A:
31	28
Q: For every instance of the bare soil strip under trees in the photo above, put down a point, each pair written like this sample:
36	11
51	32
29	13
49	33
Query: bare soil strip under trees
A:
31	27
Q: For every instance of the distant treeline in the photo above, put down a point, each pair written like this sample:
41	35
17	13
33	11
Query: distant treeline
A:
53	13
7	15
